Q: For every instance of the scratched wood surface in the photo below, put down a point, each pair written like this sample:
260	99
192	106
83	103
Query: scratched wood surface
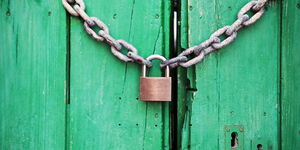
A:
235	89
104	110
32	75
290	76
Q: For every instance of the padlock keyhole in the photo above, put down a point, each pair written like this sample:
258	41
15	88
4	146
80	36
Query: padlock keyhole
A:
234	140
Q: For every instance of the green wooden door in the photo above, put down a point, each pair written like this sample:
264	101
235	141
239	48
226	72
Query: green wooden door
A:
243	88
60	89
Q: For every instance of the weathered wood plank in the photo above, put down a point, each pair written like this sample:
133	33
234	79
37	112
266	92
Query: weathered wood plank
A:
104	110
32	74
290	88
237	85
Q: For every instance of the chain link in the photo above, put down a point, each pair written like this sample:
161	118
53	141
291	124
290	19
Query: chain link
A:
99	24
260	4
80	11
248	7
77	8
118	54
67	4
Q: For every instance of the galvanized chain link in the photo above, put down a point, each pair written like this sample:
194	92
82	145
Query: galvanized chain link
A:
77	8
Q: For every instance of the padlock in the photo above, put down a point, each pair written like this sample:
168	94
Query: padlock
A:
155	88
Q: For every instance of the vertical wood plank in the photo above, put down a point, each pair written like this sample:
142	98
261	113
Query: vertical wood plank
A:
237	85
105	112
290	88
32	74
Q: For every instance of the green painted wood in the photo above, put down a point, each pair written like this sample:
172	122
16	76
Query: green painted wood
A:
32	75
237	85
290	125
182	76
105	112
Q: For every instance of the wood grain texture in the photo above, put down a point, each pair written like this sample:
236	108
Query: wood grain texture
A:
290	75
105	112
32	74
237	85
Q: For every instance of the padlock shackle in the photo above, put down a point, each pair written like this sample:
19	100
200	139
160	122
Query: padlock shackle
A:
151	57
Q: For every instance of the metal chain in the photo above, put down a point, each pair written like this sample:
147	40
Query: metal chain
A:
214	42
77	8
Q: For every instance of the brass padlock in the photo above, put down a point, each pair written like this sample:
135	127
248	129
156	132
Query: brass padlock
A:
155	88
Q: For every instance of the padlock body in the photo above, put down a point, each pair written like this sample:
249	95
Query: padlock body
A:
155	88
